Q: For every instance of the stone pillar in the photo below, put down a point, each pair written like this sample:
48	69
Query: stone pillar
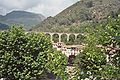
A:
76	36
59	37
107	58
68	36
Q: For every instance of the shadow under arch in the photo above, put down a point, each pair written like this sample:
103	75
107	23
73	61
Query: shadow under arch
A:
64	38
71	39
55	37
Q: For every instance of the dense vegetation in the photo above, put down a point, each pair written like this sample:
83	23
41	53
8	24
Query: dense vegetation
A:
80	14
29	56
101	41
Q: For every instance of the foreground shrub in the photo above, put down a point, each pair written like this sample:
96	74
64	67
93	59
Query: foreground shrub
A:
101	63
25	55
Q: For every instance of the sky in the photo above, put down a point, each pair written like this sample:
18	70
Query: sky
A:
44	7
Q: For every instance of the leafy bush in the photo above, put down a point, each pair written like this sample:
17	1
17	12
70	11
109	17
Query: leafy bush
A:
93	60
25	55
57	64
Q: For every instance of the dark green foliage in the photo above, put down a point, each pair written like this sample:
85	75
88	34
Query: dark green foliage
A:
89	4
23	56
57	64
92	61
80	39
26	56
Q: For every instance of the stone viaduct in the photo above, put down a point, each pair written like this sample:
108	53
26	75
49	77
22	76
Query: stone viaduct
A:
60	35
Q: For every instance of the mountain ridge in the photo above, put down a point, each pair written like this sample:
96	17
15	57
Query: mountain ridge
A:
84	12
24	18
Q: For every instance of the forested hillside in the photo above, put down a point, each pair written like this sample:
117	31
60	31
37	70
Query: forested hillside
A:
82	13
26	19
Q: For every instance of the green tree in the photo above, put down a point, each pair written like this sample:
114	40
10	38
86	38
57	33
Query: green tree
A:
92	61
25	56
57	64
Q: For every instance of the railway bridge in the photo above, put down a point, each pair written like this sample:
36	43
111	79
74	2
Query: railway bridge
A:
60	35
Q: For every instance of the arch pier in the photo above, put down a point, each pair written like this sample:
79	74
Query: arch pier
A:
60	34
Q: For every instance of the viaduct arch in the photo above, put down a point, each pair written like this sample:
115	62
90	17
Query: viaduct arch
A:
60	35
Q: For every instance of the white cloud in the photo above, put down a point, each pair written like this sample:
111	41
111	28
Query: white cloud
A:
46	7
19	4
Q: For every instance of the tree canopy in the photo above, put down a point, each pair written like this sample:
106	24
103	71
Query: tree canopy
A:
101	57
28	56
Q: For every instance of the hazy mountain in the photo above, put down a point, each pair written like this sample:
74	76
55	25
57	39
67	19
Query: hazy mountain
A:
1	17
3	26
84	12
24	18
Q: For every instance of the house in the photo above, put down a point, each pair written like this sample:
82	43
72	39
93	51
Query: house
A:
67	49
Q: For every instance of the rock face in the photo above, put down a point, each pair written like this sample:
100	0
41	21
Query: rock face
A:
27	19
81	13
